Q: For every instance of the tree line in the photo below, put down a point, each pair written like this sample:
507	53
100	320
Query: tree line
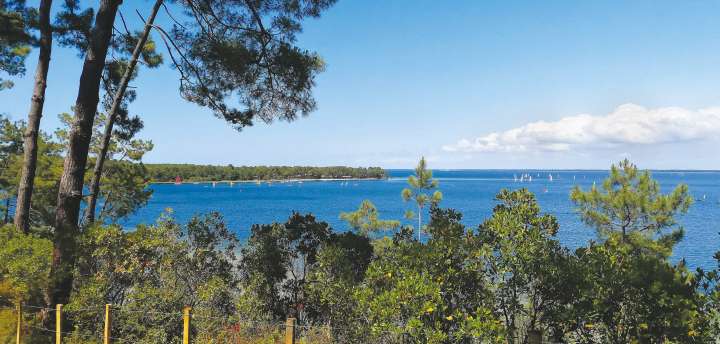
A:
239	59
192	173
505	280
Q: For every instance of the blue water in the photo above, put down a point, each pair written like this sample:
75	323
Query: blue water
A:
469	191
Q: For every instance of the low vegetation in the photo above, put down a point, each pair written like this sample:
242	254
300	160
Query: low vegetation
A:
507	280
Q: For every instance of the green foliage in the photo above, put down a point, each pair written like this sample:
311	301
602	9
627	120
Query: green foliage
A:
421	184
707	325
628	290
168	172
49	168
15	38
11	141
528	269
26	264
366	219
630	201
24	268
123	184
275	265
124	189
429	293
340	267
246	51
302	269
160	268
500	283
631	294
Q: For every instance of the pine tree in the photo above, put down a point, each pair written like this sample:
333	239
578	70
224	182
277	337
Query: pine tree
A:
421	184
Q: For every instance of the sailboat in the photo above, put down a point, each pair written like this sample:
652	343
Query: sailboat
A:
550	177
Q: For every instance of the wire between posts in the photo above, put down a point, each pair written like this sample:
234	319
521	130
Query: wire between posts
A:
115	339
220	323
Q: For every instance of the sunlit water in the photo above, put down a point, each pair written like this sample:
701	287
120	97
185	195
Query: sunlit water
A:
469	191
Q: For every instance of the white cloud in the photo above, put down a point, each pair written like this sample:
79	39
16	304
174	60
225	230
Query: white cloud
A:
628	124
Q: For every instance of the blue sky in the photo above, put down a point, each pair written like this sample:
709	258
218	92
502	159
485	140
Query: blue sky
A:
468	84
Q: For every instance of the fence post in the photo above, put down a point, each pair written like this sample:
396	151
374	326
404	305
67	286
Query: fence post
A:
290	331
186	325
18	337
58	324
108	324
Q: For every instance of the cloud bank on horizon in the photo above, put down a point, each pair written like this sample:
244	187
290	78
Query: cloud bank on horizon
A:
628	124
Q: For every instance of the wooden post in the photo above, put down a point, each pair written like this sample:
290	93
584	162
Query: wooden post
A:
186	325
290	331
108	324
58	324
18	337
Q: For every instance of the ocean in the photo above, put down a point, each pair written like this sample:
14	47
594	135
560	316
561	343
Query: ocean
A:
471	192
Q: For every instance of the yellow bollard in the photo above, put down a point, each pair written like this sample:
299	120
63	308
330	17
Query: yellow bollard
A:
290	331
18	338
58	324
186	325
108	324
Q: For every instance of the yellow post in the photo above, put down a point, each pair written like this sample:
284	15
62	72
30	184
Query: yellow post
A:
290	331
58	324
108	324
18	338
186	325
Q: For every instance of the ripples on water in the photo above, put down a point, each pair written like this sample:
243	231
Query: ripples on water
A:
469	191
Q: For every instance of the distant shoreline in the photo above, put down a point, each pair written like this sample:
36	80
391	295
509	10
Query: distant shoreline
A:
294	180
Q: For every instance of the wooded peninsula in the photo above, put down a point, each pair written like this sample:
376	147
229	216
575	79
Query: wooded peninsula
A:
159	173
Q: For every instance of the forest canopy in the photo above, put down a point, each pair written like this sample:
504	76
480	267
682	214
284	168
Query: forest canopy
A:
193	173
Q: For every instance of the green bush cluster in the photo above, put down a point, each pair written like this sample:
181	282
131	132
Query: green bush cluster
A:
508	280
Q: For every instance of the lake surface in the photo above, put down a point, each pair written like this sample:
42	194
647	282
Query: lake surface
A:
469	191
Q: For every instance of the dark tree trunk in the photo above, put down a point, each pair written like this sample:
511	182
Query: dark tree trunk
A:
71	182
7	210
27	178
110	121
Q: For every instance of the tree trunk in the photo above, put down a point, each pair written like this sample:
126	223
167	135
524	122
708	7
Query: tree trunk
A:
110	121
71	182
30	147
7	210
419	221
